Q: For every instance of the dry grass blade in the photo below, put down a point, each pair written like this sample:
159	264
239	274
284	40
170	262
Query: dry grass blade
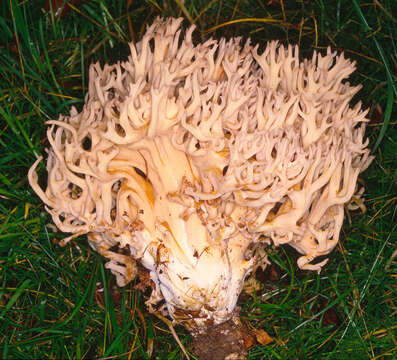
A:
173	332
248	20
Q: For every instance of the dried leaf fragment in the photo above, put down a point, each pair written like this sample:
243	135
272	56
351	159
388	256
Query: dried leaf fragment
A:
262	337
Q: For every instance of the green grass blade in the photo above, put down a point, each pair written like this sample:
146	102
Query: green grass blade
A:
14	298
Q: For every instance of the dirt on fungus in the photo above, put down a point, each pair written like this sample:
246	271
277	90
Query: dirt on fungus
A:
227	341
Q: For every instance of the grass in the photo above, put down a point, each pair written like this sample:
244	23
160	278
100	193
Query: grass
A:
61	303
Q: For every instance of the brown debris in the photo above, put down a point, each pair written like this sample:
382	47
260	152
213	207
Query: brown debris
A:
145	281
330	317
262	337
269	274
377	114
227	340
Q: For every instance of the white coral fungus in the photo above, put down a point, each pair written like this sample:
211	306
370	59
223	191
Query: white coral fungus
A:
188	157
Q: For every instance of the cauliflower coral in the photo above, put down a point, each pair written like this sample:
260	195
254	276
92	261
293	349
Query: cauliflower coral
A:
190	159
